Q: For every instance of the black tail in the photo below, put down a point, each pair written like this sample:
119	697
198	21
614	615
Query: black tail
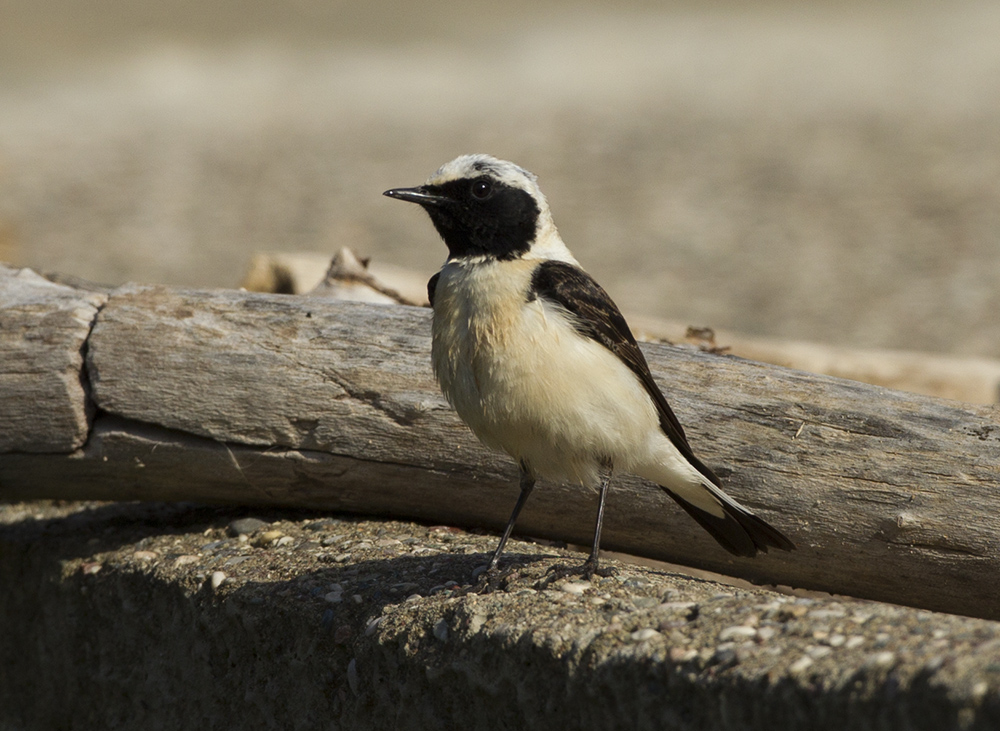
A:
738	530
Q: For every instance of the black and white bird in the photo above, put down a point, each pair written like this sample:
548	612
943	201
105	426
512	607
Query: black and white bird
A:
537	359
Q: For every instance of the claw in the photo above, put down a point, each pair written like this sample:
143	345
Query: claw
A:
489	579
592	570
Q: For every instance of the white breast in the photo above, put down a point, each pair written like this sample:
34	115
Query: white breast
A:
526	382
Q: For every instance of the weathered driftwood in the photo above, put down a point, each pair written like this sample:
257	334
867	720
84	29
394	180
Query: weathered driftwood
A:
322	274
43	328
975	380
238	397
348	278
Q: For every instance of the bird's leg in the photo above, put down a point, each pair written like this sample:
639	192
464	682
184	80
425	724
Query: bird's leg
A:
590	567
527	484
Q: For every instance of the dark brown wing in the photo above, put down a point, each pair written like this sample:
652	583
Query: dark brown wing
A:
432	284
596	316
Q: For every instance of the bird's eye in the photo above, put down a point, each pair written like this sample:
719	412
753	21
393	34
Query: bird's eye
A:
481	189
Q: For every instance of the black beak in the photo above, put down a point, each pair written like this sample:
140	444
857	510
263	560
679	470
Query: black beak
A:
416	195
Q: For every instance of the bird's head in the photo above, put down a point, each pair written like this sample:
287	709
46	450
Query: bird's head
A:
485	208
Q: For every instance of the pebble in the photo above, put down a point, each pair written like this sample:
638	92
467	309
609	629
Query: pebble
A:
680	654
801	664
671	624
792	612
766	633
323	524
91	568
644	634
476	622
352	676
217	578
854	641
326	621
725	655
836	640
645	602
242	526
334	597
285	540
833	613
880	659
185	560
266	538
634	583
677	606
737	632
373	625
934	664
145	555
575	587
441	630
817	652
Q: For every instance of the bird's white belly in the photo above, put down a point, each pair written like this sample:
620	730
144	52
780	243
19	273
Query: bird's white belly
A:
526	382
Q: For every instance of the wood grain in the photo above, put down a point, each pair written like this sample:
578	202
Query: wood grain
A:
237	397
43	329
965	378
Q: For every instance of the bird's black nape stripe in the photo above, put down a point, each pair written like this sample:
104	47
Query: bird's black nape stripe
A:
501	225
596	316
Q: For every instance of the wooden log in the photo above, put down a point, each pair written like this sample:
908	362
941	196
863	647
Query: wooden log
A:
965	378
43	329
300	401
976	380
311	272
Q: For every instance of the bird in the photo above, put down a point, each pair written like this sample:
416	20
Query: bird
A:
539	362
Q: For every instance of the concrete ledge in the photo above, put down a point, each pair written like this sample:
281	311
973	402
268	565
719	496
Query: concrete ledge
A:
114	617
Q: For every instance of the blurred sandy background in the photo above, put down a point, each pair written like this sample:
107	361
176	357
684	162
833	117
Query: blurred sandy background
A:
826	171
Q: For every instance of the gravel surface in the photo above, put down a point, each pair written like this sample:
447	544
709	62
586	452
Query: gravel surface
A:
170	615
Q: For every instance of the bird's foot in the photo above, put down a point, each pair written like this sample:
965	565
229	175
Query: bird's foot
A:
591	569
489	579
